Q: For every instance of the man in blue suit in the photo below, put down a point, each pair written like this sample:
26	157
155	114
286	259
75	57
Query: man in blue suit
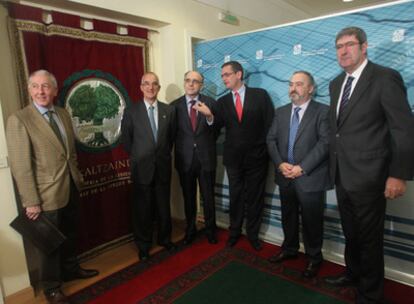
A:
298	145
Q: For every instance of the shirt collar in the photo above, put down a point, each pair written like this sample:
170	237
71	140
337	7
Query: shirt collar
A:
241	90
302	106
147	104
43	110
188	98
357	73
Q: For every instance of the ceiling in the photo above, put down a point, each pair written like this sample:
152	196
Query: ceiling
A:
274	12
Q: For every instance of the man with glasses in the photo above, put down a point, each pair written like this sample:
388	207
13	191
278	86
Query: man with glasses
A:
246	114
44	165
371	157
298	145
148	129
195	157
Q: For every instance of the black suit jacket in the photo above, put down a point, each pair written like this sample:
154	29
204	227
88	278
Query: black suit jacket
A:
147	155
202	142
311	147
374	137
245	141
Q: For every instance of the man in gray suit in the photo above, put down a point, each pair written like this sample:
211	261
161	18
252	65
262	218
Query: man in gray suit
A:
148	129
298	145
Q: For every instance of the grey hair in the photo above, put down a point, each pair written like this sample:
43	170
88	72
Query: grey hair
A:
46	73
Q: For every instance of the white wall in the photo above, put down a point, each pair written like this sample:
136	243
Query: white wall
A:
174	21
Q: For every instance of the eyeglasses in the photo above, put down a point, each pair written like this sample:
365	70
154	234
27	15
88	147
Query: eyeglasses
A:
225	75
347	44
44	86
192	81
150	84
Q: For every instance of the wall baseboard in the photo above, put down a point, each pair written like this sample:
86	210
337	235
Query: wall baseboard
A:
20	297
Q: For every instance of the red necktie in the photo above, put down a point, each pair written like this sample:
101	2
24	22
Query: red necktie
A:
193	115
239	107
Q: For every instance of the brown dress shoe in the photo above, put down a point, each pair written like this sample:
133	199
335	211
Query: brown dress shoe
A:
56	297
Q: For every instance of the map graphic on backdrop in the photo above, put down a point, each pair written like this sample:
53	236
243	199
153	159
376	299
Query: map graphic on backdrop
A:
269	58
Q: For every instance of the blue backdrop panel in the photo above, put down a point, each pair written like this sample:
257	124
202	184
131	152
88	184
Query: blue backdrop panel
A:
270	56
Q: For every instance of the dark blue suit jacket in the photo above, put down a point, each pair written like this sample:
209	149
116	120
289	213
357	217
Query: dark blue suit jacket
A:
202	142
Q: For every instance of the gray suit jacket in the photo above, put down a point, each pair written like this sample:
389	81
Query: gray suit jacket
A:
146	155
310	149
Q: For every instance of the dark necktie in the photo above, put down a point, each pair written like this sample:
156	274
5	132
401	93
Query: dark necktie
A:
152	122
239	107
294	126
53	124
345	94
193	115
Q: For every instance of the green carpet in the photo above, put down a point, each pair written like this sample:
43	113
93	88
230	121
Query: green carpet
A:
239	283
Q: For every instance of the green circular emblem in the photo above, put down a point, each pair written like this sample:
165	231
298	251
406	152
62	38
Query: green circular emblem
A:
96	106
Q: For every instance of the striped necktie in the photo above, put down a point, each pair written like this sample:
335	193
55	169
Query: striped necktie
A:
345	95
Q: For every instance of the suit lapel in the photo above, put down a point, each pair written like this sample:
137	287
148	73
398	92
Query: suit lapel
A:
336	91
162	120
45	130
182	107
307	117
231	106
247	104
143	116
285	117
362	84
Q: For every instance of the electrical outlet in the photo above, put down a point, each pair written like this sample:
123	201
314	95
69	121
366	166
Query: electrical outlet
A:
3	162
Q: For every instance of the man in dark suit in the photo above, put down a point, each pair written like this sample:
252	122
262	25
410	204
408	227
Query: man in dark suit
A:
148	129
43	161
298	145
246	113
195	157
371	157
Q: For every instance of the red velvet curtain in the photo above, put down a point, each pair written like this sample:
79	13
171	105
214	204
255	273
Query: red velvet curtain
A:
77	56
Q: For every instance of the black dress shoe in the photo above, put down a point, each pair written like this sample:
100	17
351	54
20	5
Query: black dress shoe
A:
189	239
169	246
311	270
256	245
341	280
143	255
56	297
232	241
212	239
283	256
80	273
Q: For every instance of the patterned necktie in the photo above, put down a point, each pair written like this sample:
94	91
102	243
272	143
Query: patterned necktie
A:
193	115
294	126
152	122
345	94
239	107
53	124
